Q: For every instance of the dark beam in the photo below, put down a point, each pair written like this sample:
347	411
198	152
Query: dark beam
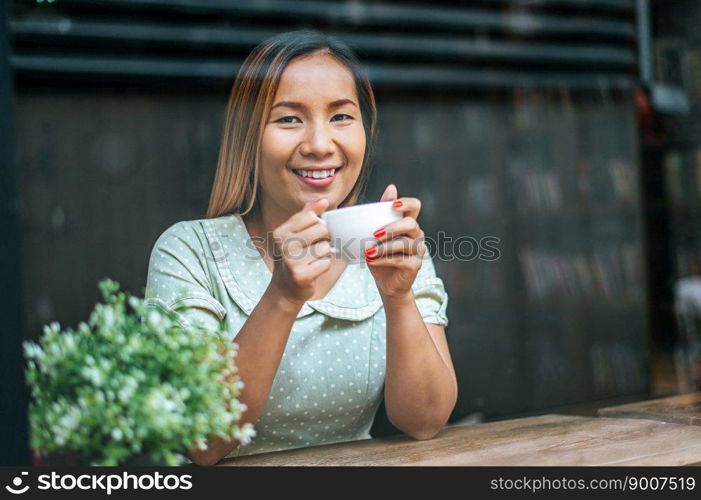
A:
14	449
617	6
153	36
365	14
414	76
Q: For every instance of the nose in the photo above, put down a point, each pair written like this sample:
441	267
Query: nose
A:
318	141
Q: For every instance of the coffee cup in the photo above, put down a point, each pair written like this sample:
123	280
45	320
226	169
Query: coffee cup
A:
351	228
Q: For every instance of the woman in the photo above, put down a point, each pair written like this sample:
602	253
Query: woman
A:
320	342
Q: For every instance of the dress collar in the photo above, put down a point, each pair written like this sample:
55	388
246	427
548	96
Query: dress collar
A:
354	296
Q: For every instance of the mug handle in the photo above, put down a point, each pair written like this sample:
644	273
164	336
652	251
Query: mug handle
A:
333	249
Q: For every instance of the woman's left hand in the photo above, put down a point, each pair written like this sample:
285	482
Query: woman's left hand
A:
396	258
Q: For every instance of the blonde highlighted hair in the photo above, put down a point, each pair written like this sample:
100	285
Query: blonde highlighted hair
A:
236	179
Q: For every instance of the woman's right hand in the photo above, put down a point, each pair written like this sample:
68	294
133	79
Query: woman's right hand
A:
302	253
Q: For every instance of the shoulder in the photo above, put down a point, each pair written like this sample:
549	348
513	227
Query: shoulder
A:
183	241
191	233
181	230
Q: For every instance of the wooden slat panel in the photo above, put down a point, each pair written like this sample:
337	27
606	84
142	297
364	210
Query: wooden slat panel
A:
592	40
386	74
215	38
606	5
378	14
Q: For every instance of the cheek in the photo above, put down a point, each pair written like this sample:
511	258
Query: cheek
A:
355	143
276	148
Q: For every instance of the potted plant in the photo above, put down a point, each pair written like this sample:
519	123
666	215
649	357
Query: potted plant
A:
134	384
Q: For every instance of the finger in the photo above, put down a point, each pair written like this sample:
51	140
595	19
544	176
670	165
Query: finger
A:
294	242
408	206
306	270
319	206
398	246
410	263
404	226
390	193
296	253
308	216
319	250
312	234
318	267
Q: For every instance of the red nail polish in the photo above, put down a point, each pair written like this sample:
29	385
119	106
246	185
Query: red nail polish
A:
370	251
379	233
397	204
370	259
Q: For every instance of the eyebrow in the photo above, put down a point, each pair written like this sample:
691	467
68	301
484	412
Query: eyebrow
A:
299	105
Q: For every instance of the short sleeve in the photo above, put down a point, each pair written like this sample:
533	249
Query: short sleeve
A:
431	297
177	277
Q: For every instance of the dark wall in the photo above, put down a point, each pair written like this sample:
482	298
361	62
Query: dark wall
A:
103	173
508	119
559	317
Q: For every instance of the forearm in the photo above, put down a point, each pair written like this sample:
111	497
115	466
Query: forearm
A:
261	344
420	388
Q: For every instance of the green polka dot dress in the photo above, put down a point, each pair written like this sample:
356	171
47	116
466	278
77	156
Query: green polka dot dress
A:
330	379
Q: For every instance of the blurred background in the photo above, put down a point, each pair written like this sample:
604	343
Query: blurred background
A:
568	129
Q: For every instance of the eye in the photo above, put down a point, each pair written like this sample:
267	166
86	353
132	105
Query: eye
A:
341	114
282	120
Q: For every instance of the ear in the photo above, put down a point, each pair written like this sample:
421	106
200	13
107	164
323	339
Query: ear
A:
390	193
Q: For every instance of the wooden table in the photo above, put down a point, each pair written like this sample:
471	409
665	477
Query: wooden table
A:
684	409
542	440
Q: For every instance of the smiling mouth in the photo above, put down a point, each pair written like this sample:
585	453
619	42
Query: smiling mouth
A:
316	174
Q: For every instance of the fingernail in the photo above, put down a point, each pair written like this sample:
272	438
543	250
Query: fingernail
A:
379	233
397	204
370	259
370	251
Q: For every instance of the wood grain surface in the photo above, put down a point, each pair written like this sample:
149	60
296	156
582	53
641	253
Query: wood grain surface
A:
683	409
543	440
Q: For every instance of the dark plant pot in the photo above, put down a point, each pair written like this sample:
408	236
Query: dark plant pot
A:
60	459
142	460
70	459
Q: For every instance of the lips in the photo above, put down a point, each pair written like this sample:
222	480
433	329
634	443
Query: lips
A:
313	176
316	171
316	174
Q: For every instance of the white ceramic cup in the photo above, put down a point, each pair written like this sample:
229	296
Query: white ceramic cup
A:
351	228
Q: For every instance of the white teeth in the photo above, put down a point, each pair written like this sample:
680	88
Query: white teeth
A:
316	174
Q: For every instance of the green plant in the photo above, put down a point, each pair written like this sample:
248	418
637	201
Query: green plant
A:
132	381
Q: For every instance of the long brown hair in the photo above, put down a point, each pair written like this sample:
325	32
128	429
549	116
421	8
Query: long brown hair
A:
236	180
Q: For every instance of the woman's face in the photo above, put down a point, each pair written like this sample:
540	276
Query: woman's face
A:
314	129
